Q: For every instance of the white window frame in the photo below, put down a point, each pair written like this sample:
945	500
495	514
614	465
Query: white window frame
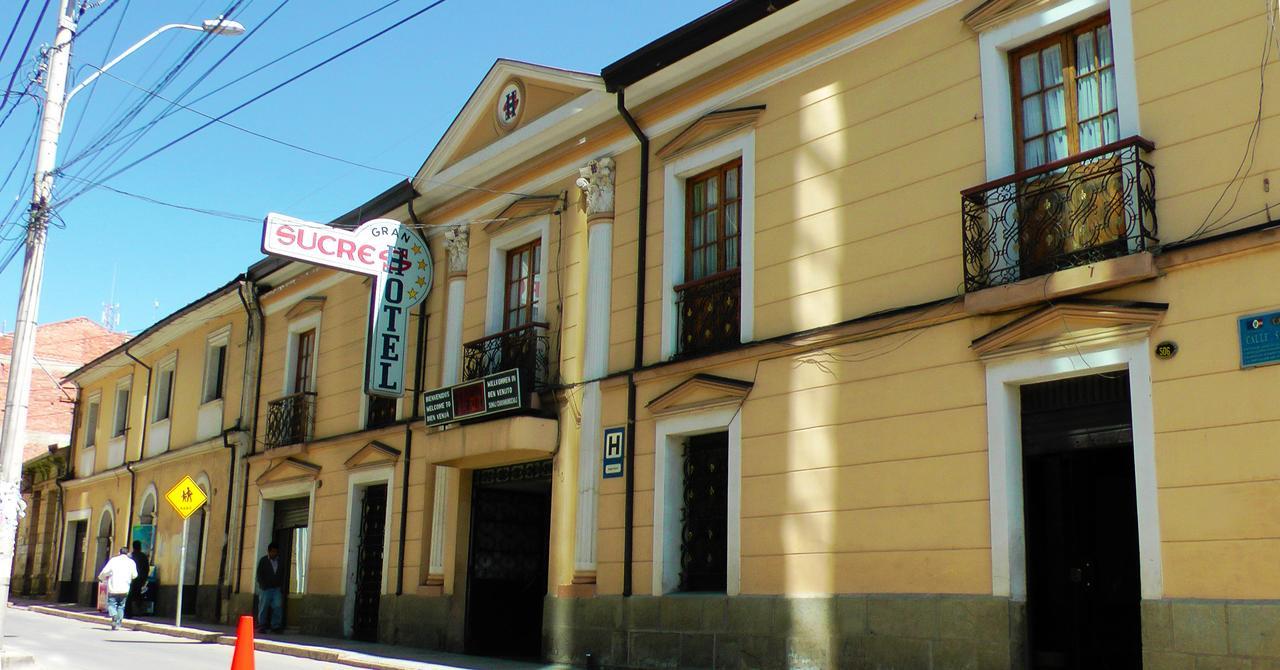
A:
300	325
1004	435
538	228
167	364
124	384
64	570
667	494
220	338
362	479
997	99
741	144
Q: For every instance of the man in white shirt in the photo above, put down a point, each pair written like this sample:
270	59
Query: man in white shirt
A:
118	574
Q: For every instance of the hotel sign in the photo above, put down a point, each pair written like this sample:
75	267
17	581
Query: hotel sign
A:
498	392
397	259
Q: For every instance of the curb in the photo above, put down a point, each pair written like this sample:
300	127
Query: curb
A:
207	637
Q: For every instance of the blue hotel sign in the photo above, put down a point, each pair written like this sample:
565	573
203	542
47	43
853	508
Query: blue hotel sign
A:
614	447
1260	339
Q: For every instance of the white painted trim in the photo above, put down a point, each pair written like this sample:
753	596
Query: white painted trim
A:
439	521
595	350
91	436
668	452
88	458
122	384
219	338
312	290
362	479
64	571
590	444
157	438
536	228
742	145
152	492
299	325
1008	535
451	351
209	420
267	496
167	364
994	46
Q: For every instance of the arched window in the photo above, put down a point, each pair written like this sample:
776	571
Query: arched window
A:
106	536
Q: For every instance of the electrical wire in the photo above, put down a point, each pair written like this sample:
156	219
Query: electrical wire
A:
13	76
13	30
155	201
273	89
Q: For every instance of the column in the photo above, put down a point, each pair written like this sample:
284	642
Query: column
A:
456	242
596	182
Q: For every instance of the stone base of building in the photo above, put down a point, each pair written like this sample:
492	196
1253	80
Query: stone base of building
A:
1210	634
407	620
203	609
697	631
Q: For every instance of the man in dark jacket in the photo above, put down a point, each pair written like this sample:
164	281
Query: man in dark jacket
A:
271	576
134	603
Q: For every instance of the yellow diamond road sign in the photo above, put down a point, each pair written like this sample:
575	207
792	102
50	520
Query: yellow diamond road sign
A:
186	497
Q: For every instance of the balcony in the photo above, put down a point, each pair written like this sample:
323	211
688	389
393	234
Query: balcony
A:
1087	208
710	313
290	419
524	348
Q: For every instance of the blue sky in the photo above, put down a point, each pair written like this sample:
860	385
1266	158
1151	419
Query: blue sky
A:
385	104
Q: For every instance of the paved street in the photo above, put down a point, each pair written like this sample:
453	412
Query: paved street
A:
65	644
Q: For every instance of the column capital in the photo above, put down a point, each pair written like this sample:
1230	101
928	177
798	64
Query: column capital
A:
596	181
456	243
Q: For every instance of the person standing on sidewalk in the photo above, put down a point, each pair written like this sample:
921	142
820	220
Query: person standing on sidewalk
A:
139	585
271	591
118	574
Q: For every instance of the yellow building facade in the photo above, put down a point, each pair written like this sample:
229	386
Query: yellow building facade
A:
165	405
898	333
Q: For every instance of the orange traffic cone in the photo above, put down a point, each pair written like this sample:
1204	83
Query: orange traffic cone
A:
243	657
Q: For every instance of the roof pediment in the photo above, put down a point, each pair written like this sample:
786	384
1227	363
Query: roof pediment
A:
288	471
487	118
1070	325
700	392
373	454
709	128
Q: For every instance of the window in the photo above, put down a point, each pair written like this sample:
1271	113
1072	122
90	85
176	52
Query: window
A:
1064	89
120	421
215	368
705	513
304	360
523	296
713	217
91	413
381	412
164	390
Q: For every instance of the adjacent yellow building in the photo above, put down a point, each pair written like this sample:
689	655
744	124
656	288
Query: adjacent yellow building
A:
856	333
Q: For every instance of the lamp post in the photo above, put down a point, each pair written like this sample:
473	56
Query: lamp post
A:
13	432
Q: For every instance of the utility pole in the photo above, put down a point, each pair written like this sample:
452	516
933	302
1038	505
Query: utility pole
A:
13	434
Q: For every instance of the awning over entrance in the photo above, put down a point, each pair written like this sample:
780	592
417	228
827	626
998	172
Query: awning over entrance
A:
495	442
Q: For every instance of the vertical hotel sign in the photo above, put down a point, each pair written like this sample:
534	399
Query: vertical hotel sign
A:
397	259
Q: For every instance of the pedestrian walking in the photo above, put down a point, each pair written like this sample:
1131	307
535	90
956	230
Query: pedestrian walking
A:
139	585
271	591
118	574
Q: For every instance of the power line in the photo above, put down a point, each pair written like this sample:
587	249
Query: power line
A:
13	30
25	49
155	201
275	88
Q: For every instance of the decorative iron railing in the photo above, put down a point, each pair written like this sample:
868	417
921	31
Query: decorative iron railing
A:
1083	209
290	419
525	348
710	313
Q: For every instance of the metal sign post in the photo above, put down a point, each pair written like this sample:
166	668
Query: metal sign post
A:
186	499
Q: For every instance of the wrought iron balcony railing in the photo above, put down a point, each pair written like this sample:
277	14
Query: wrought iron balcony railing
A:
710	313
290	419
524	348
1086	208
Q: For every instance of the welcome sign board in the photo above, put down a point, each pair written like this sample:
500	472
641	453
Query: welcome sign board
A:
393	254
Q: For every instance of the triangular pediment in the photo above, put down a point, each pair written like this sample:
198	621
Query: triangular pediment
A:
373	454
700	392
1070	325
710	128
484	119
289	470
993	12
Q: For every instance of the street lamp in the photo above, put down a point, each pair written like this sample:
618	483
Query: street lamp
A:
12	435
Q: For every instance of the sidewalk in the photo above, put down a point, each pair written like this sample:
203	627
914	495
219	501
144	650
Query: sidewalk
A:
333	650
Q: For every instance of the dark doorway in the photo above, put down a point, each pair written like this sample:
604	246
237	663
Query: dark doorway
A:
507	565
704	513
368	588
1083	589
76	534
289	533
195	563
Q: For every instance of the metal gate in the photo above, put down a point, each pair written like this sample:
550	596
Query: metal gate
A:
373	524
507	566
705	513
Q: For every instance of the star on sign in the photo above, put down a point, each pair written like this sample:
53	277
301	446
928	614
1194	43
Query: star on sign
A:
422	281
422	265
416	250
413	293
